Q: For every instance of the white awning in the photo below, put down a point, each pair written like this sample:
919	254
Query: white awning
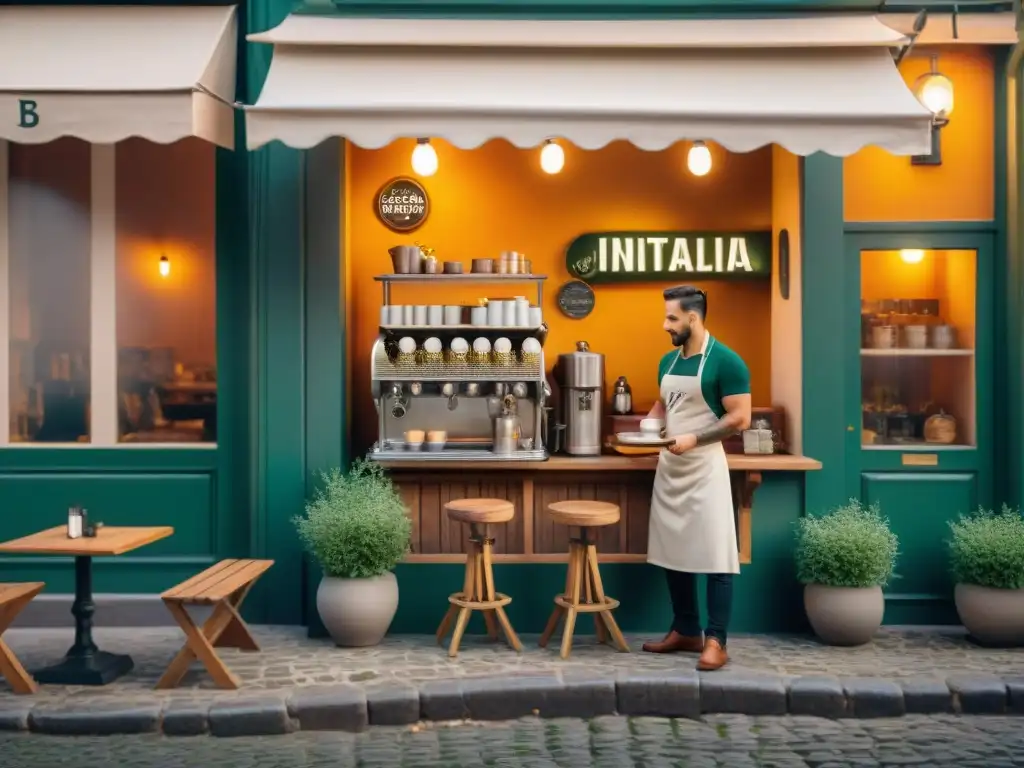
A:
104	73
971	28
808	84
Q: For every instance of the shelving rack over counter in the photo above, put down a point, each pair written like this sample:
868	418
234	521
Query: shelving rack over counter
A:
482	278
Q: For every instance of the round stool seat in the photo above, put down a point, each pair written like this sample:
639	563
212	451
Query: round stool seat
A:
586	514
481	511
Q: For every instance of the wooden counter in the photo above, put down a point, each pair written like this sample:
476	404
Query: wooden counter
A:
532	485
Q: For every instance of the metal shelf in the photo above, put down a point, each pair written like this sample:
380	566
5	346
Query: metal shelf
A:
466	277
398	453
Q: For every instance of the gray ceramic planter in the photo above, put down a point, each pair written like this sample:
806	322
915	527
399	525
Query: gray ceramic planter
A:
844	615
992	616
357	612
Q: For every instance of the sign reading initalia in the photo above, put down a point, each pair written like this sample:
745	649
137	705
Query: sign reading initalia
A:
621	257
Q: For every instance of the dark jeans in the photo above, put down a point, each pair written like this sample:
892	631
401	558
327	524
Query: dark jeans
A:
682	588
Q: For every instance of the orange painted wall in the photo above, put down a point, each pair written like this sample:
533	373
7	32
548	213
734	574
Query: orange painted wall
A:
496	198
878	186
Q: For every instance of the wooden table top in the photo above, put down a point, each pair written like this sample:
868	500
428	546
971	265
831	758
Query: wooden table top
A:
109	540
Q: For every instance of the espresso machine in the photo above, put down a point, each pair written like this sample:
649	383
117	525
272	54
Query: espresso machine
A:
581	381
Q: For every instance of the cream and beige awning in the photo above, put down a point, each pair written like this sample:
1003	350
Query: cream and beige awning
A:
808	84
104	73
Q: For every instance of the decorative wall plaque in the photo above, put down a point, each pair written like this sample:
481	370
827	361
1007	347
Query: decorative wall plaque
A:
402	204
576	299
633	257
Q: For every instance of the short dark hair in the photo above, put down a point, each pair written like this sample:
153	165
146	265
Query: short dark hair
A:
690	298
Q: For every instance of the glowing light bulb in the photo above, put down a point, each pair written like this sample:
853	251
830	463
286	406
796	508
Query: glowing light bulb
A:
552	158
165	266
935	91
424	158
698	159
912	255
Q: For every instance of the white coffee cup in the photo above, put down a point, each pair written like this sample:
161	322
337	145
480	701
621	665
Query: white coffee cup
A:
536	317
407	315
478	316
385	315
522	313
419	314
651	426
495	312
453	314
435	315
509	312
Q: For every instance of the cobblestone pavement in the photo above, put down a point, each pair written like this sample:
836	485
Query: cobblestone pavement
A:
290	660
729	741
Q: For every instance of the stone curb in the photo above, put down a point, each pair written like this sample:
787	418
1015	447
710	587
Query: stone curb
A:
674	694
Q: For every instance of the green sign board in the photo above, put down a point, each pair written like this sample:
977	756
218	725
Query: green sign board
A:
631	257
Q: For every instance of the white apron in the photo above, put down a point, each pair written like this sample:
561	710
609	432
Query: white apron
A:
692	527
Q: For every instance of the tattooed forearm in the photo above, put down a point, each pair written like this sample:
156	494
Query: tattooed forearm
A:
717	432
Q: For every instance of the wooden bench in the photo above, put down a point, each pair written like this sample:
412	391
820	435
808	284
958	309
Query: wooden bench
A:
224	586
13	599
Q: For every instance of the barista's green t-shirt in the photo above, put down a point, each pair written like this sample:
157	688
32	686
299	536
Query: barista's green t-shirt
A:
725	373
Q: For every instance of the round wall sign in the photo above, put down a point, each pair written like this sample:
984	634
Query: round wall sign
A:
402	204
576	299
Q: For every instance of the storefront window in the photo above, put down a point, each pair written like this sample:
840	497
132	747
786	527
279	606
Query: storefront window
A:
917	355
166	292
49	239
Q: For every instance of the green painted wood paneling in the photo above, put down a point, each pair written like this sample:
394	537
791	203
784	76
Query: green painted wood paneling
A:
298	333
778	503
276	176
326	423
825	435
1006	442
1009	101
919	507
234	289
185	500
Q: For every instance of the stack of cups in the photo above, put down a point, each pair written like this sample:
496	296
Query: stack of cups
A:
495	312
522	310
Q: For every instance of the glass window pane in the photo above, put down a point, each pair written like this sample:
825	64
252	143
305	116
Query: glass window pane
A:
917	347
50	231
166	292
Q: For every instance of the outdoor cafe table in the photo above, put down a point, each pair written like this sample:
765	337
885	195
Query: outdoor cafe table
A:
85	664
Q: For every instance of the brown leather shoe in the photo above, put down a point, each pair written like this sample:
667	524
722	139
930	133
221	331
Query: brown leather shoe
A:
713	657
675	643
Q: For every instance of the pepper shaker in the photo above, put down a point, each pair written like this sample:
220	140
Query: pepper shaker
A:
622	399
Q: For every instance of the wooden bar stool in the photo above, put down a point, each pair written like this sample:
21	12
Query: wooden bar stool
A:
583	575
478	587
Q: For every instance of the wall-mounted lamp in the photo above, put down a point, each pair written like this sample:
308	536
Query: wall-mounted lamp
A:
935	91
912	255
698	159
165	266
552	157
424	158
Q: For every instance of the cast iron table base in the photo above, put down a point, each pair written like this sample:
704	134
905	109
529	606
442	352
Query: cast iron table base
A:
84	663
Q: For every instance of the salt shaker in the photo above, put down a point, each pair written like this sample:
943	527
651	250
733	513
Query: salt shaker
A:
74	522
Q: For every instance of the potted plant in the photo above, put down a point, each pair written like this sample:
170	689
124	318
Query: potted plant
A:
987	557
357	528
844	558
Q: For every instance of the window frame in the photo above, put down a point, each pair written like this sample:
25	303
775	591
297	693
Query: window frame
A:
103	367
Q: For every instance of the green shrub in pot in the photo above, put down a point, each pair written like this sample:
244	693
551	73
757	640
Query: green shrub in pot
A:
844	558
357	528
986	551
